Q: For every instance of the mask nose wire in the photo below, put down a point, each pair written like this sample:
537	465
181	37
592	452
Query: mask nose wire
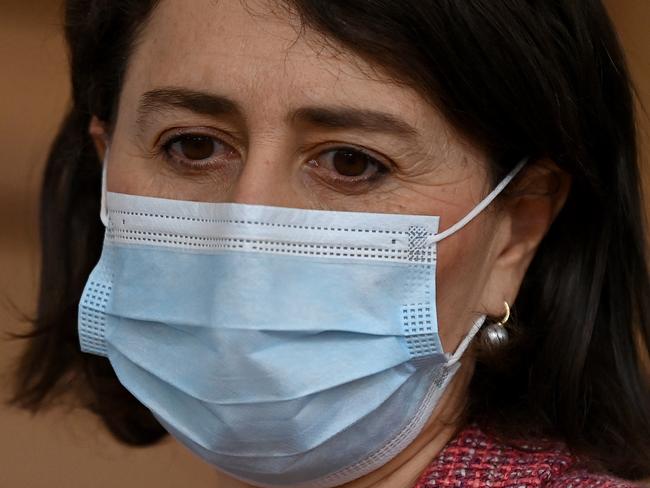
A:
480	207
103	212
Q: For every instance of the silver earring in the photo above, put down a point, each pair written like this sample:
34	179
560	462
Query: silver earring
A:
496	335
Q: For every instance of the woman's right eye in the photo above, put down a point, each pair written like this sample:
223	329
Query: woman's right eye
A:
198	151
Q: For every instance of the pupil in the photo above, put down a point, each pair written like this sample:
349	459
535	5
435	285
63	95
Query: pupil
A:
197	147
350	163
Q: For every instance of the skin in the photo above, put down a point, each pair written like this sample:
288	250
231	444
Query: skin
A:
255	56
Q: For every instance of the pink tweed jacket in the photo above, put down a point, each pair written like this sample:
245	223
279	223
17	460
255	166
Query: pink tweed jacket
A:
474	459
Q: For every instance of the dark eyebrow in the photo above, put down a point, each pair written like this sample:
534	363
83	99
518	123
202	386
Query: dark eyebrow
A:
350	118
328	117
198	102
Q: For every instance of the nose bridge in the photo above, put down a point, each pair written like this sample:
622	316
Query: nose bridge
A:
266	177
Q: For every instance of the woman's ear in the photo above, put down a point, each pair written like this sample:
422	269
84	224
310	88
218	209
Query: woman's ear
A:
528	210
99	133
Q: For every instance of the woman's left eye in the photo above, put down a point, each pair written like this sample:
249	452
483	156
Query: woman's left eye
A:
197	150
348	164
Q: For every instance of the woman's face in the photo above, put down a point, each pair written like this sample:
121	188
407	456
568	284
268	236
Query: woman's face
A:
229	102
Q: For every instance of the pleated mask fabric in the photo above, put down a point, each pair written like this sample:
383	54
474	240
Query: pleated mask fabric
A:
287	347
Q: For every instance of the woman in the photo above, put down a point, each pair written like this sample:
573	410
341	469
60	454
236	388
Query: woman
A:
318	218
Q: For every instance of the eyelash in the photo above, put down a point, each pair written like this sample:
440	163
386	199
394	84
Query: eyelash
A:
381	168
165	149
166	144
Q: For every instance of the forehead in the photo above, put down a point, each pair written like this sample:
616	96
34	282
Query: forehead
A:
256	52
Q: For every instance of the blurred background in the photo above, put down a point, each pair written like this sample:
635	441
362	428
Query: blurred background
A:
67	447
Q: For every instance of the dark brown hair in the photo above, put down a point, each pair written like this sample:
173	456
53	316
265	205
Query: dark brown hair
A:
518	77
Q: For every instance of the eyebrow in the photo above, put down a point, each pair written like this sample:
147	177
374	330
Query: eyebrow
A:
214	105
351	118
159	100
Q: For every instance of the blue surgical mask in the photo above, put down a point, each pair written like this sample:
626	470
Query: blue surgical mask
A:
286	347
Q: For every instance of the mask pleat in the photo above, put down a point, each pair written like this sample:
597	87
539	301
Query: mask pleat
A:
259	292
234	368
280	428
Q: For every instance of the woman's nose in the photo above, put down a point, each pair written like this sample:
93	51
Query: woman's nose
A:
266	179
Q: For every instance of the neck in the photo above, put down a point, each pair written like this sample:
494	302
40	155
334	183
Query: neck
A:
406	468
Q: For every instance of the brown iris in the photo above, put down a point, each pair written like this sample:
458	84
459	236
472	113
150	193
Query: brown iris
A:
196	147
350	163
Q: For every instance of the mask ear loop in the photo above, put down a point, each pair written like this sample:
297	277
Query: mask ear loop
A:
103	212
481	206
462	347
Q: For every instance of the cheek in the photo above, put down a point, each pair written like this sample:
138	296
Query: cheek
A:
124	176
462	272
127	174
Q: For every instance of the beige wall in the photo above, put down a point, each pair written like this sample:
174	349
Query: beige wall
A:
632	18
69	448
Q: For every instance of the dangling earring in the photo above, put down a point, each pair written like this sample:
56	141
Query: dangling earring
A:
496	335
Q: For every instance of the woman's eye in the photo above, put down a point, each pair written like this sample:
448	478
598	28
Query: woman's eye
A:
350	164
190	149
194	147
